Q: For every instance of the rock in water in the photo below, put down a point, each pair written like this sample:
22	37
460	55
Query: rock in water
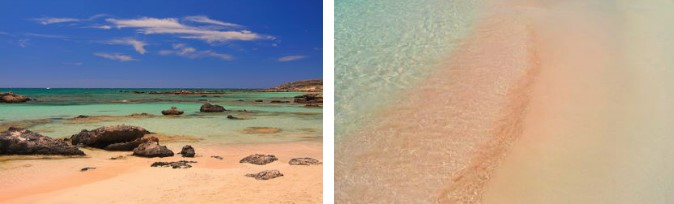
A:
120	137
182	164
231	117
10	97
149	147
259	159
19	141
207	107
304	161
187	151
266	175
309	98
172	111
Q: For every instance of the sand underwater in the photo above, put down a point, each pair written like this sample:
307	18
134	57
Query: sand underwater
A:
286	130
526	102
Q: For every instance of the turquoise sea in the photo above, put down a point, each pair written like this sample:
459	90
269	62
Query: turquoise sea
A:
54	109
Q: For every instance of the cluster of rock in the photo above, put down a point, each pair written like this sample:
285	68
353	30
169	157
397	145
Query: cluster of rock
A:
122	138
11	97
309	98
19	141
182	164
263	159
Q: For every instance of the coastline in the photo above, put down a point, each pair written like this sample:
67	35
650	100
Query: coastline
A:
449	146
133	180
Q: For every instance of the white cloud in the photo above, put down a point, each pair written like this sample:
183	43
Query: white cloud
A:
192	53
291	58
205	19
46	36
173	26
47	21
137	44
104	27
115	56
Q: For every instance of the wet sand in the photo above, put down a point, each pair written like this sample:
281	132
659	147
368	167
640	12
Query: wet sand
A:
132	180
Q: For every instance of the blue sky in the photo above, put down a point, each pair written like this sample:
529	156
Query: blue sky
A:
163	44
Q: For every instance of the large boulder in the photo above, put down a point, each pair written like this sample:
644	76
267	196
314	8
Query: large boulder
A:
172	111
19	141
266	175
119	137
187	151
150	147
259	159
207	107
11	97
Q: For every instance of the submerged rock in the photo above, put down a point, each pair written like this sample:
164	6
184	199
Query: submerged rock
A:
207	107
19	141
119	137
150	147
304	161
182	164
266	175
279	101
259	159
11	97
258	101
231	117
187	151
172	111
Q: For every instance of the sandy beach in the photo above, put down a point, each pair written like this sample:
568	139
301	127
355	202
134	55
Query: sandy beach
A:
132	180
543	102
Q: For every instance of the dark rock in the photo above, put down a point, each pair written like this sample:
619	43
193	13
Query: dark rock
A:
123	146
217	157
117	157
309	98
304	161
10	97
259	101
150	147
122	136
204	96
187	151
279	101
207	107
266	175
81	116
140	115
239	100
172	111
182	164
259	159
231	117
19	141
87	168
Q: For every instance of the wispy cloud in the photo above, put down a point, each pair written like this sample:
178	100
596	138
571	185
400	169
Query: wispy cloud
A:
291	58
115	56
173	26
137	44
23	42
46	36
205	19
74	63
47	21
192	53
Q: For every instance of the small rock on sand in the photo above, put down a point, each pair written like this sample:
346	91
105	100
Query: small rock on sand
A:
87	169
217	157
182	164
304	161
187	151
259	159
266	175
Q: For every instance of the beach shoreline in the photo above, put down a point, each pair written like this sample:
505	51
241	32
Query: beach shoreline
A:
132	180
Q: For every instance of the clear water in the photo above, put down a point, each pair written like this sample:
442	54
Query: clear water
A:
55	108
384	46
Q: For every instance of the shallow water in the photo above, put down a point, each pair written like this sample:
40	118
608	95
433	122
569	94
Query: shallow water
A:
59	106
383	47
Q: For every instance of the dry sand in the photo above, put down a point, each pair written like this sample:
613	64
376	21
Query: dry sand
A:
132	180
